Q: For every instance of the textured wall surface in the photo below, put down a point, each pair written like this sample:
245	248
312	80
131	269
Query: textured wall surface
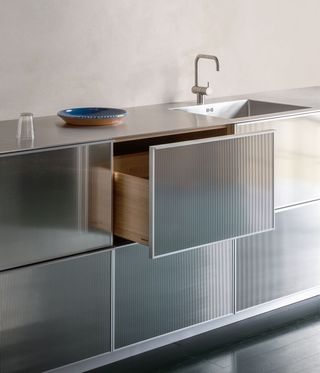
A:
61	53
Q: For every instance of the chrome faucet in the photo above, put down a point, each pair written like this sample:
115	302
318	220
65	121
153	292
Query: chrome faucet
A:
202	91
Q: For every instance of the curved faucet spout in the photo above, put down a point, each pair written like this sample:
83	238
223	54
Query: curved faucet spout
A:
206	57
202	91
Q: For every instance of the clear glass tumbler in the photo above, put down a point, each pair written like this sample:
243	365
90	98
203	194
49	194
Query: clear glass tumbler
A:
25	130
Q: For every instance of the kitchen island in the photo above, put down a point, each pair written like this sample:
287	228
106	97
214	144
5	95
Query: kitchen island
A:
116	240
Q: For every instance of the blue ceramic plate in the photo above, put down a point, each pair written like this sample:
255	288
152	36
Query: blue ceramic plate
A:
93	116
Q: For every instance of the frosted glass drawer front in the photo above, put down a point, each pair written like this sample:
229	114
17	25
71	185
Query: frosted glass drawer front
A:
49	203
55	313
282	262
154	297
210	190
297	157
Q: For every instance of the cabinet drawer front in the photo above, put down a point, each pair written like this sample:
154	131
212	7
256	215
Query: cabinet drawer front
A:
297	157
210	190
54	203
155	297
282	262
56	313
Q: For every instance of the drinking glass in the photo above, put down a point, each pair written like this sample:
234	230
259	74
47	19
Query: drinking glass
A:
25	130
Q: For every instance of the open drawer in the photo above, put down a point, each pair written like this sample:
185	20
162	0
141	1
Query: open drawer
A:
186	194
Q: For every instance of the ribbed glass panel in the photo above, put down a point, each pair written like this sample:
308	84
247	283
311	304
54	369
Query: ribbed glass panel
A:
208	191
154	297
54	203
280	262
54	314
297	157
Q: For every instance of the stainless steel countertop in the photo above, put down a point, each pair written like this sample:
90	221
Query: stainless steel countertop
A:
146	121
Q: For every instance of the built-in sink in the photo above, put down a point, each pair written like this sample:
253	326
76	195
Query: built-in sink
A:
239	108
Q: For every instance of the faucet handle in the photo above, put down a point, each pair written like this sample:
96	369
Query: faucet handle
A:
208	90
203	91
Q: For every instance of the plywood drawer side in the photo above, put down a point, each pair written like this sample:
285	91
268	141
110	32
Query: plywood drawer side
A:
131	207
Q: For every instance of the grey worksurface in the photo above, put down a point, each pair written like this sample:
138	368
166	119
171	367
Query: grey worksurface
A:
144	121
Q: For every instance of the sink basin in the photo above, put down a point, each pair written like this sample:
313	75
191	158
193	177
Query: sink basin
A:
239	108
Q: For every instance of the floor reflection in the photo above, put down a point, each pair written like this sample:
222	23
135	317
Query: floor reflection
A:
294	348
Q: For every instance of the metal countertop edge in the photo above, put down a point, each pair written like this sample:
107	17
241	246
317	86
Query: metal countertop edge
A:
154	121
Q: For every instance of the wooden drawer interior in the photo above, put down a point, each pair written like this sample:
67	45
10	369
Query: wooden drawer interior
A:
131	197
131	183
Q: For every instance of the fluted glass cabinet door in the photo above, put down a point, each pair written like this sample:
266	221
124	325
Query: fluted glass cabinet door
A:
285	261
155	297
54	202
210	190
55	313
297	157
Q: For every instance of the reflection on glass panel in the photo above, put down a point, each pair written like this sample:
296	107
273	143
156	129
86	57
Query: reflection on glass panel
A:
54	203
297	157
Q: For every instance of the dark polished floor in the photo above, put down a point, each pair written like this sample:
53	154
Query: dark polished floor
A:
291	348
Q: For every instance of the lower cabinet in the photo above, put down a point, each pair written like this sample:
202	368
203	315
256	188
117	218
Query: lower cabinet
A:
54	203
154	297
280	262
55	313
